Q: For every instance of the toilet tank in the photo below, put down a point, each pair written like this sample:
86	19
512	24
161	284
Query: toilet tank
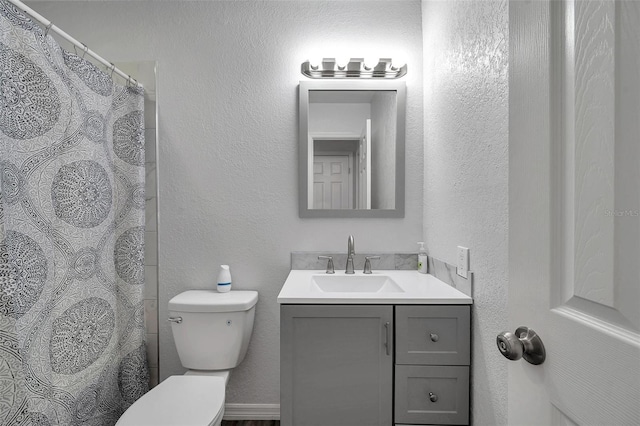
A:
214	329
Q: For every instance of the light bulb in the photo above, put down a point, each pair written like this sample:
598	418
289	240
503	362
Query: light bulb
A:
314	62
399	61
370	61
342	61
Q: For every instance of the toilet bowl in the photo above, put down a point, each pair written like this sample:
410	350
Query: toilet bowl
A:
211	331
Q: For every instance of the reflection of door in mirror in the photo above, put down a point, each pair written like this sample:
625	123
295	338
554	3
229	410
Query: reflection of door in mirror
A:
331	182
333	185
367	117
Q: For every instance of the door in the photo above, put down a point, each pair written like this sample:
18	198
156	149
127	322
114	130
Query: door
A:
574	202
331	182
364	167
336	365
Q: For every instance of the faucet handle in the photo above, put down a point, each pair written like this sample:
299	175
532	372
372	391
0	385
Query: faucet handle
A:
330	268
367	263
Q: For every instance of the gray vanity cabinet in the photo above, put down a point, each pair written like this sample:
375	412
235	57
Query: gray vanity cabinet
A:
336	365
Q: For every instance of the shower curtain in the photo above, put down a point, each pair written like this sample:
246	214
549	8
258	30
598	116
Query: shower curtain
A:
72	347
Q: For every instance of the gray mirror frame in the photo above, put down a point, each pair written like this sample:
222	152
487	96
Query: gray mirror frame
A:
303	129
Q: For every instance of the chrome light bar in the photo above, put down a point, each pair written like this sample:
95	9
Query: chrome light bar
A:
355	68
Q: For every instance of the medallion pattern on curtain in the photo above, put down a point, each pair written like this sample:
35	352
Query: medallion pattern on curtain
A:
72	347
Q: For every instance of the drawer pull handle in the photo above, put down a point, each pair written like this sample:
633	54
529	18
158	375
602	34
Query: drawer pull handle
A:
434	337
433	397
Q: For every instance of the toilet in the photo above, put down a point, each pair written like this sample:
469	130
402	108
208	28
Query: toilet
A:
211	331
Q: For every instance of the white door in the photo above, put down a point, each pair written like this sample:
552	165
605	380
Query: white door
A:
331	182
364	167
574	202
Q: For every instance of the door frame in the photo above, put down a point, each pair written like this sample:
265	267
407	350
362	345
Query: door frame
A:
326	136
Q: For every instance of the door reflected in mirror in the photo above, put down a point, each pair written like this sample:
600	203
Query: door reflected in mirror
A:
353	138
353	144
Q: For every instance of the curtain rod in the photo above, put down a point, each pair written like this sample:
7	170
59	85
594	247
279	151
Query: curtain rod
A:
50	27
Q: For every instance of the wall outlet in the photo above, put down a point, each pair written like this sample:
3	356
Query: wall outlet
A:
463	262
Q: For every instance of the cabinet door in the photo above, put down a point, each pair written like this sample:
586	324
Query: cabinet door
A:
336	365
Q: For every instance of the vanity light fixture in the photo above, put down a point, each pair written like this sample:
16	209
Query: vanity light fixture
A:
355	68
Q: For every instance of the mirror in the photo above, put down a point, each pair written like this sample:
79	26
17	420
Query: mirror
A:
351	148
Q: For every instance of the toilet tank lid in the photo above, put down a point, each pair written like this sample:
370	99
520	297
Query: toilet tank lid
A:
213	301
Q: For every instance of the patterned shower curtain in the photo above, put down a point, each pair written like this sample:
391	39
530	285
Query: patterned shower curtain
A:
71	234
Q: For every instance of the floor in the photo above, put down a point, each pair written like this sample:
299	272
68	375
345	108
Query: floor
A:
250	423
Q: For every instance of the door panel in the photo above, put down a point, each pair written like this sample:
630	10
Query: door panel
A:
331	182
590	155
574	237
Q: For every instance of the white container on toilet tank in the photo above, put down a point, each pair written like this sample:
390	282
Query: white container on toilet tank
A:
216	328
224	279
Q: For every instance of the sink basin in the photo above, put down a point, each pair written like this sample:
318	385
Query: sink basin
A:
354	284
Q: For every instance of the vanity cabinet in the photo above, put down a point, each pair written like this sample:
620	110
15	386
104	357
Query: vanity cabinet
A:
368	365
336	365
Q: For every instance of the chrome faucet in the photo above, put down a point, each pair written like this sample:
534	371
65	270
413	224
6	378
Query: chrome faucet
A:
350	253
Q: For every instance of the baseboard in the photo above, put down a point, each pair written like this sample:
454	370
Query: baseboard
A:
251	412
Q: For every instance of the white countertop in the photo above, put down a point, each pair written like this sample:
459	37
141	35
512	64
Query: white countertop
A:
417	289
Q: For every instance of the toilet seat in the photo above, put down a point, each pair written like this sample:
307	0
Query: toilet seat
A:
179	401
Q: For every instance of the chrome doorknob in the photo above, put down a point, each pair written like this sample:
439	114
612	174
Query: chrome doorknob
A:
524	343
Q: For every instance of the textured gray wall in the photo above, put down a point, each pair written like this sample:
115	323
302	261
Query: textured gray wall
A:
466	171
227	95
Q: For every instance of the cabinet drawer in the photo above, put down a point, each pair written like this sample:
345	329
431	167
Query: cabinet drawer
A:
432	395
437	335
